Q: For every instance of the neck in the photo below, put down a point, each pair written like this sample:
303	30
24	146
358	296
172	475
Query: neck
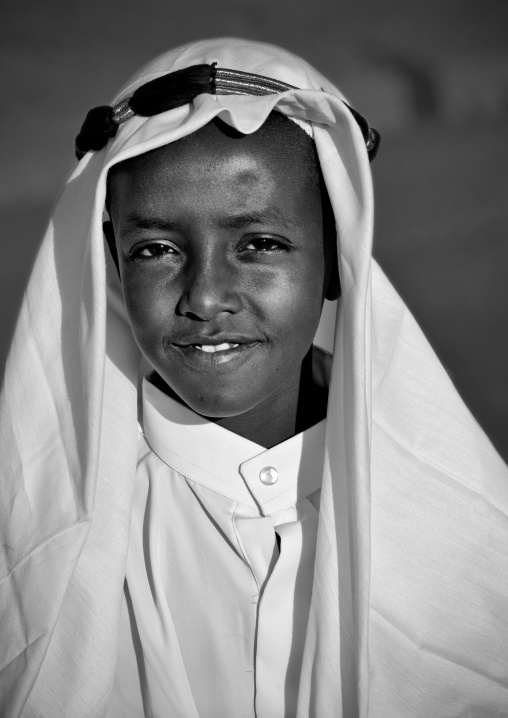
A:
296	405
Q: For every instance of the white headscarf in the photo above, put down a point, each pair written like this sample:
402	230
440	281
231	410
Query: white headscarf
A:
409	613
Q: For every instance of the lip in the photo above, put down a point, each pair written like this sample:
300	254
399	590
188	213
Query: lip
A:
198	359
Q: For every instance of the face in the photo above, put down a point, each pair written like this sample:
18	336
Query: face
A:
224	265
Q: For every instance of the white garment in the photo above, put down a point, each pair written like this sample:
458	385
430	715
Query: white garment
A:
409	608
204	571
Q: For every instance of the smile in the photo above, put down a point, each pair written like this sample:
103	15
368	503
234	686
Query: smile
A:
220	353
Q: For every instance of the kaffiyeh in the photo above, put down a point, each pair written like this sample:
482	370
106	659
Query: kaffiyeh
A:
408	615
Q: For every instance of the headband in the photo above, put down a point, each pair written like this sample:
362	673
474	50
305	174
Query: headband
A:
180	88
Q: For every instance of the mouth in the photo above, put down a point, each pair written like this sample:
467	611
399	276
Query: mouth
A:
212	352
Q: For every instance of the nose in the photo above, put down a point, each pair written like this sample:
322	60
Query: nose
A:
210	288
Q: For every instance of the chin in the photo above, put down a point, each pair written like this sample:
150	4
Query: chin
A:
217	407
217	404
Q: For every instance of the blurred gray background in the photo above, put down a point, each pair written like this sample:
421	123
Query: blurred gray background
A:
432	76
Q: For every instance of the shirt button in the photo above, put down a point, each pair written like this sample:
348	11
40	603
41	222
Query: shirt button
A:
268	475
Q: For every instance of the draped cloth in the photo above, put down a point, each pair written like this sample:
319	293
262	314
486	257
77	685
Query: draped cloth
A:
409	612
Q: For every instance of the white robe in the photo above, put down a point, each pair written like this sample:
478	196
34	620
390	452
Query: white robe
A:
208	595
409	611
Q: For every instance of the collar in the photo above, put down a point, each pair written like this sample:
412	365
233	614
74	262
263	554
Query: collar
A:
227	463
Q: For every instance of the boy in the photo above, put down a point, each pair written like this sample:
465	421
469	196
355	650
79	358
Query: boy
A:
248	556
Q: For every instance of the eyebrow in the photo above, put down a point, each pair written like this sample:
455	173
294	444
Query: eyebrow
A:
137	220
234	221
238	221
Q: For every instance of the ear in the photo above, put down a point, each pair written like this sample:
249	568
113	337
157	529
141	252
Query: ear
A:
333	290
109	233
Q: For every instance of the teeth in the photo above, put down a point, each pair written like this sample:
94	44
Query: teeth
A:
212	348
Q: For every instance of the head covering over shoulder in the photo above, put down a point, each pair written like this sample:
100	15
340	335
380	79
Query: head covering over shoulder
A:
409	613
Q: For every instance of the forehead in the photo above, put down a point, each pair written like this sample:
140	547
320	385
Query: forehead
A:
279	153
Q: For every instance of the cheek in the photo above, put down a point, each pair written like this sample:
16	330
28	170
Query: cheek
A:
294	303
149	307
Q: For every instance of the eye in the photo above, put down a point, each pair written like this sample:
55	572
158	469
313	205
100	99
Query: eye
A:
154	250
264	245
